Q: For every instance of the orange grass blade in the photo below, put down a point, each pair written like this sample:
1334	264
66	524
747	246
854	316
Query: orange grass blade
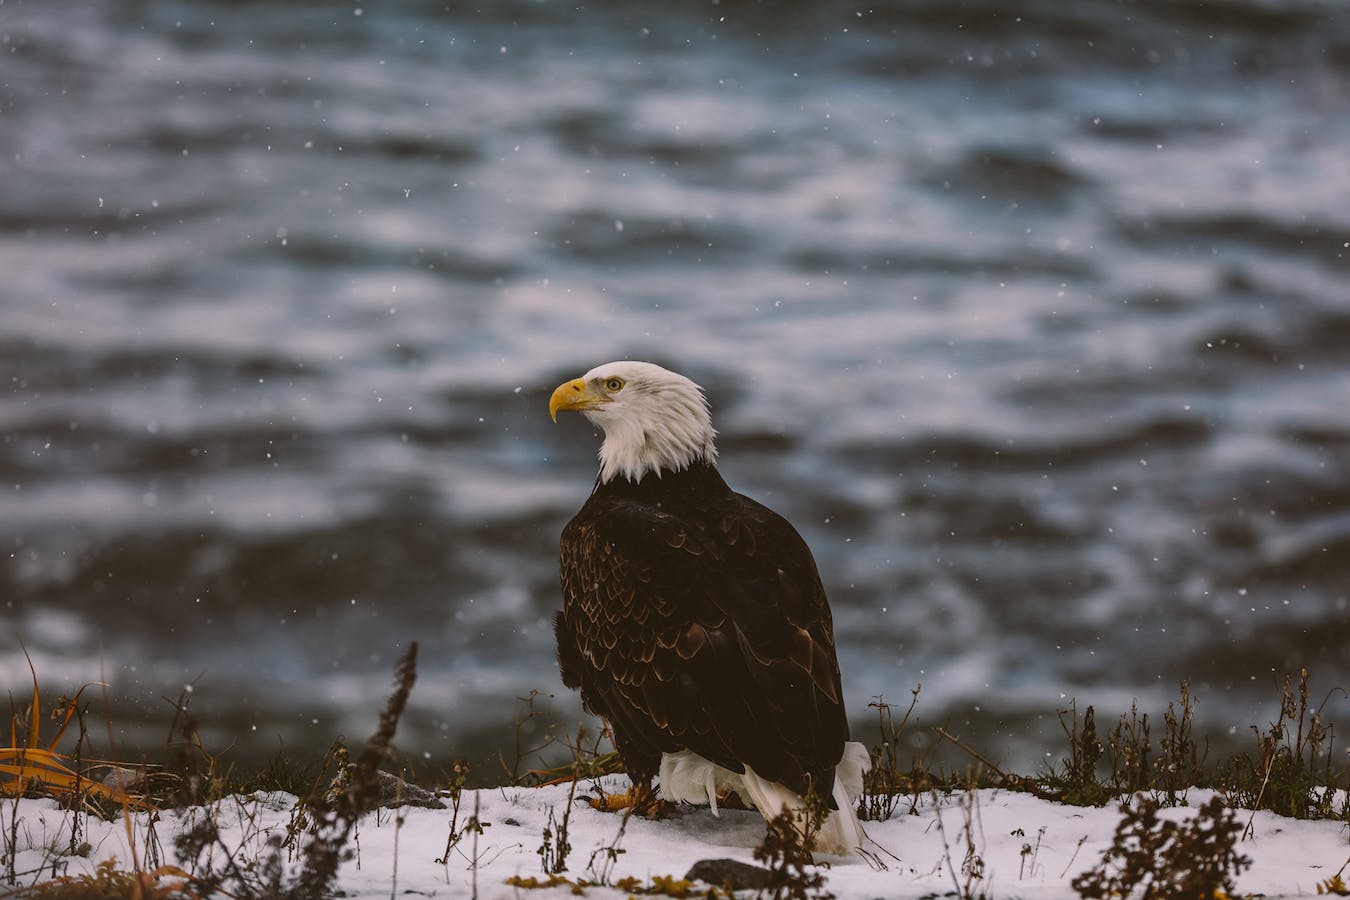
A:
169	870
37	719
35	759
51	777
40	753
62	782
14	789
71	708
31	762
20	777
46	767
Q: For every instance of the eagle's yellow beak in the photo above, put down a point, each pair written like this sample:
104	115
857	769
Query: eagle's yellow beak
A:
574	395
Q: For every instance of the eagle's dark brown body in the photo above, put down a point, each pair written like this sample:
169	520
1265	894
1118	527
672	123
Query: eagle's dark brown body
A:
694	618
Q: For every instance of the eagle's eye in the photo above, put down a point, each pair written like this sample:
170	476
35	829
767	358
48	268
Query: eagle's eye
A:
614	385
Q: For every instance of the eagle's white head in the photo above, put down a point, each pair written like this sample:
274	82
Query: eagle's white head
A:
654	420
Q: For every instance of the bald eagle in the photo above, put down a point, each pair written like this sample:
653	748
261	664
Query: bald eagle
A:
694	621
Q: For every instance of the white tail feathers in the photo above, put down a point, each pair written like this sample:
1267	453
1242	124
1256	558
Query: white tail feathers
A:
688	777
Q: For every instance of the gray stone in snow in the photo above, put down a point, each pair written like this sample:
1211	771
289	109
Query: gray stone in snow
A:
120	778
729	873
395	792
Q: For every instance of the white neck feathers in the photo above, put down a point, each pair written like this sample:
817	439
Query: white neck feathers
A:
659	423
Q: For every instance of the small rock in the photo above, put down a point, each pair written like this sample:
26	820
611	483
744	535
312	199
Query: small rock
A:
120	778
729	873
395	792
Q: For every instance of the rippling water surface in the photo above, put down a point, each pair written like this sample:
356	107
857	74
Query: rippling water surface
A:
1036	324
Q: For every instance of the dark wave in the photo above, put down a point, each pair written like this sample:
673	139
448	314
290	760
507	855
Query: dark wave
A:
46	367
994	177
974	453
1321	241
908	259
590	133
1323	436
631	240
1314	336
27	211
324	250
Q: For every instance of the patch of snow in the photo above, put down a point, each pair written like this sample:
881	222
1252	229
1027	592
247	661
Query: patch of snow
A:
1028	847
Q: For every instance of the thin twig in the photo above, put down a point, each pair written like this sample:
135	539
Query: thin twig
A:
946	846
1249	831
942	732
117	771
476	832
1081	841
398	827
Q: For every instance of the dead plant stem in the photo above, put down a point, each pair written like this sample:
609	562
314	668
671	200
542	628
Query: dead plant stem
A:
942	732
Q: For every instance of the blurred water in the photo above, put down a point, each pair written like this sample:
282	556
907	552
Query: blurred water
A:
1035	324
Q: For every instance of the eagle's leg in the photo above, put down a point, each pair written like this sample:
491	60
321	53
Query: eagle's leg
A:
640	798
641	766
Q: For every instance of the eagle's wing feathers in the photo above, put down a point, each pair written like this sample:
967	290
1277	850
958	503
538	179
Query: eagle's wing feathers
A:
712	638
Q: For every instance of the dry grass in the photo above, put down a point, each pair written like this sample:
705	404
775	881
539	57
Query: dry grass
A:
327	819
1292	771
28	765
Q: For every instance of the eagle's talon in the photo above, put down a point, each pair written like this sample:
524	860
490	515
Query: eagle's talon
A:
641	800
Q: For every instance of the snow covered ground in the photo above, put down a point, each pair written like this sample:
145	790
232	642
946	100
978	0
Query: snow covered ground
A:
1027	847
